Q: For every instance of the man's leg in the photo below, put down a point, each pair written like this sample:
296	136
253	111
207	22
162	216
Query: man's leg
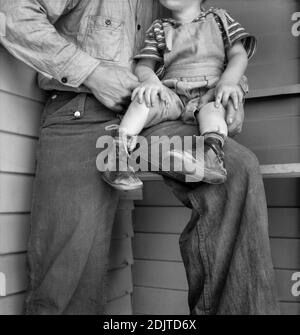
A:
72	214
225	246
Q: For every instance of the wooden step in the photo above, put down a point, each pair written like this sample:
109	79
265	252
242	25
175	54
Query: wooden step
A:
268	171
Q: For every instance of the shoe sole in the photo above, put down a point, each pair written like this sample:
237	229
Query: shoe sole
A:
207	176
122	187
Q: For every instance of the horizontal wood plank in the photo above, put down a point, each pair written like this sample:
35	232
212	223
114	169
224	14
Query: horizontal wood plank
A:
283	222
163	247
157	274
272	107
168	220
14	268
15	193
286	253
262	76
159	302
269	132
268	171
281	170
274	91
172	276
278	154
121	306
157	247
290	308
15	228
20	115
14	232
282	192
157	193
17	153
12	305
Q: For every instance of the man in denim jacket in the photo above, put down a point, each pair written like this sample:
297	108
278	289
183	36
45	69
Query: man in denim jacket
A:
83	51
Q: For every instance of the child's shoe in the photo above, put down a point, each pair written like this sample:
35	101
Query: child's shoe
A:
210	168
123	179
214	167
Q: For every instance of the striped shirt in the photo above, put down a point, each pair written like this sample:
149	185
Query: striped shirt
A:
155	44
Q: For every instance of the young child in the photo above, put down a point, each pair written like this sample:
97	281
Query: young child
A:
190	68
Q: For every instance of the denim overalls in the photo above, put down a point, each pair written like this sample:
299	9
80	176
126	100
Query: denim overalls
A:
194	61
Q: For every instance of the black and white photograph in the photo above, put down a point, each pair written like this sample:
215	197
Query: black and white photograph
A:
149	160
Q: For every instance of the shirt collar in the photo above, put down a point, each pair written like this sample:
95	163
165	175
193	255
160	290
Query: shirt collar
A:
177	24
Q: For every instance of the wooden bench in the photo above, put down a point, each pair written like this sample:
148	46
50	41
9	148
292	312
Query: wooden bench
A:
268	171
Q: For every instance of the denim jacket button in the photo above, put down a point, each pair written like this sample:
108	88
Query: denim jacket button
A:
64	80
77	115
108	22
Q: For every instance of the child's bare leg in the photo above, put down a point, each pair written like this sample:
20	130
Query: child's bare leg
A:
212	120
134	121
131	125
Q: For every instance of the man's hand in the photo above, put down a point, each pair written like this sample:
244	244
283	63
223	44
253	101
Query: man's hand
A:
112	85
235	118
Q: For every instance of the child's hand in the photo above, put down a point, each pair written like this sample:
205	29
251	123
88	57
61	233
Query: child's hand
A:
149	91
226	90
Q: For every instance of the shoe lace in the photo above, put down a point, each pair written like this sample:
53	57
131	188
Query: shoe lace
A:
220	155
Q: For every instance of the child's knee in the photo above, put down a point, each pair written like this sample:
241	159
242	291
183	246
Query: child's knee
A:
211	111
212	119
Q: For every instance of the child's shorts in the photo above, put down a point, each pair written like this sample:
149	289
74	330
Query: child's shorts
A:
188	96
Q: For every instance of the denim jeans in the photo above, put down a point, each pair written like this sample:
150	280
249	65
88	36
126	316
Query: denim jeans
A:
225	246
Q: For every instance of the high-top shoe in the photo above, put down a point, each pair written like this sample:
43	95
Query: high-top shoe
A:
208	168
214	166
119	174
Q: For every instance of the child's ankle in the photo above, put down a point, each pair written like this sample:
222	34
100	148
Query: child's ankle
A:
221	138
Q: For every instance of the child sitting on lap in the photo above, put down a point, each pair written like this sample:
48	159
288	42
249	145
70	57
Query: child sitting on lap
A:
190	68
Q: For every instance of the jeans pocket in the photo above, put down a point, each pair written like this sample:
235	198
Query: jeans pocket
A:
104	38
64	107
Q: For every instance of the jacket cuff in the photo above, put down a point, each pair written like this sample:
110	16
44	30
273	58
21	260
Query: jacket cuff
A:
78	68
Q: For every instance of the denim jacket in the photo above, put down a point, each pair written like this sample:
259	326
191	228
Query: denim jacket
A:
65	40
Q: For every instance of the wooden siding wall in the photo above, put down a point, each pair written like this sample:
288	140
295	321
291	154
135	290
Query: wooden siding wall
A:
277	59
21	103
272	131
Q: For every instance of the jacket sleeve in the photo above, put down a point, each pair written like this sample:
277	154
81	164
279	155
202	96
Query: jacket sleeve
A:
30	36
